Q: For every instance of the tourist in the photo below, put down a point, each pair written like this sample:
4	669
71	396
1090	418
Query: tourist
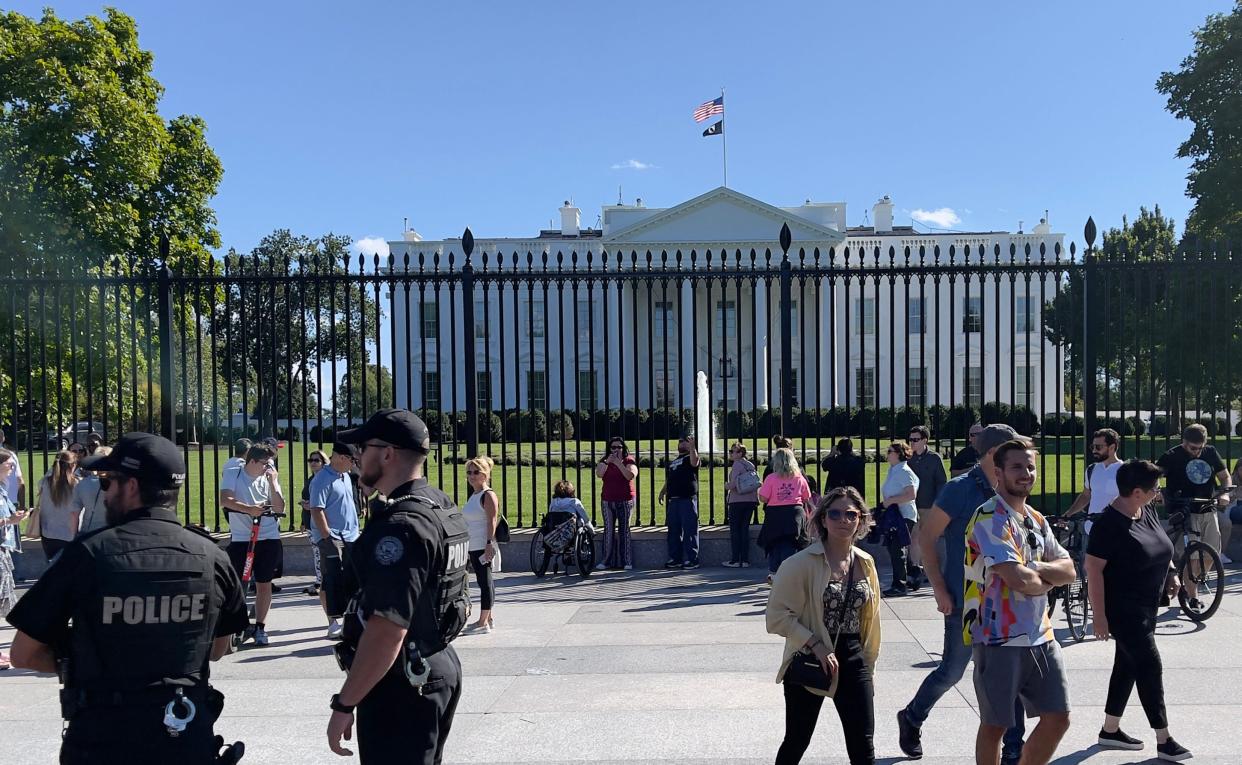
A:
681	489
928	465
334	528
1129	567
58	514
776	442
79	453
825	603
741	501
482	514
93	442
14	485
1192	470
966	457
785	495
900	489
249	492
314	462
617	470
88	496
844	468
565	500
10	519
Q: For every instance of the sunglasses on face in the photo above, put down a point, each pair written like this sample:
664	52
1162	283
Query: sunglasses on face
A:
314	461
106	481
916	438
833	514
617	447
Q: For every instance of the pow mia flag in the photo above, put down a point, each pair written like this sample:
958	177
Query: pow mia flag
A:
716	129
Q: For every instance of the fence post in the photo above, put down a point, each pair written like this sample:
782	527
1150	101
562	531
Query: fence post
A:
472	378
786	398
168	393
1089	301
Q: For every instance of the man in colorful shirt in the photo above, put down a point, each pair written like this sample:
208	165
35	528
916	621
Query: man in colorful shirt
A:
1012	561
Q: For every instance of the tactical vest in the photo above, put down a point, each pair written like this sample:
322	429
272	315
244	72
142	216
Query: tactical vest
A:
150	615
441	611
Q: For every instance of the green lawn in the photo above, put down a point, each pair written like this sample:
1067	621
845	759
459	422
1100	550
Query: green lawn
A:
526	489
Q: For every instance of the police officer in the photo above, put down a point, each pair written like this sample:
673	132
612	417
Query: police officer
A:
409	566
129	616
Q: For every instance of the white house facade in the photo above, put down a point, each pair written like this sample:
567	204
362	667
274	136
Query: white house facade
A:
865	330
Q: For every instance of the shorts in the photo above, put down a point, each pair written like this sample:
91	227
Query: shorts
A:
1034	674
269	556
1208	527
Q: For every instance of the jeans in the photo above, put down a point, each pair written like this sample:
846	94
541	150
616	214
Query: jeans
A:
683	530
1136	661
855	703
740	515
897	555
778	552
954	657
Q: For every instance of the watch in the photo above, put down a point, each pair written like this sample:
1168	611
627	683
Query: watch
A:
338	706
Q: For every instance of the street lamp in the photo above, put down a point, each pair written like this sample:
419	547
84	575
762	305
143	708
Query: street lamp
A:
726	367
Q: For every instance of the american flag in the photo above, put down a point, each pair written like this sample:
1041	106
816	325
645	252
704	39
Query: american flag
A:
709	109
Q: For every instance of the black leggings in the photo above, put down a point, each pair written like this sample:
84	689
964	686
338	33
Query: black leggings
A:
855	703
897	555
1136	662
483	572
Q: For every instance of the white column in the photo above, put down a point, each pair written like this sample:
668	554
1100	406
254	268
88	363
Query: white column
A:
615	343
688	365
827	394
761	350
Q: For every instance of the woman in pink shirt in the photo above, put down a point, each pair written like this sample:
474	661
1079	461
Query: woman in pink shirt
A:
617	470
785	495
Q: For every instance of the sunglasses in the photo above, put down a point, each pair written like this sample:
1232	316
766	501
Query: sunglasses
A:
616	447
834	514
314	461
916	438
1032	541
106	481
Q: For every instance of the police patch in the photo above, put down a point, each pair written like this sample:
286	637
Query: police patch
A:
388	551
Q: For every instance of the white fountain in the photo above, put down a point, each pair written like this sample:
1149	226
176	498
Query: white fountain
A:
705	423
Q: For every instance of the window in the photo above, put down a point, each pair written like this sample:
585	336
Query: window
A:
864	316
664	324
484	389
431	320
587	390
536	389
431	390
664	394
794	324
726	318
480	319
972	315
864	386
915	310
1025	380
793	388
538	314
584	318
916	387
974	386
1024	317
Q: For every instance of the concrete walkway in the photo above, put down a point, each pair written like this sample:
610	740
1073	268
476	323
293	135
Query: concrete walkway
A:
662	667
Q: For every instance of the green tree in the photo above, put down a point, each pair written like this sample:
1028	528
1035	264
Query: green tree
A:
1205	90
377	382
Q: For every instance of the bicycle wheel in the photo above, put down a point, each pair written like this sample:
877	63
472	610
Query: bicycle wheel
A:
584	553
539	555
1201	564
1077	607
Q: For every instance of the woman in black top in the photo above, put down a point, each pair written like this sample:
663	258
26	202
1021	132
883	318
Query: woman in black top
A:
1129	565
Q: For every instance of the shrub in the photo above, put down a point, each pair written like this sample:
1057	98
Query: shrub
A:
439	424
1136	422
995	412
1237	429
1120	424
958	420
1164	425
1023	420
737	424
1062	424
490	427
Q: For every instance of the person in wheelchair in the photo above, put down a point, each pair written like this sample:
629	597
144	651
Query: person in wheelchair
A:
565	500
566	537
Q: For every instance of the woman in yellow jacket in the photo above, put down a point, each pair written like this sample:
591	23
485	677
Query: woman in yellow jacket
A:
825	601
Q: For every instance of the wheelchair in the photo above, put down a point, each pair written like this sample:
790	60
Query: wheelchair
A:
563	540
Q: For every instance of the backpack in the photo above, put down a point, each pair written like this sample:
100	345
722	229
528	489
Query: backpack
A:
449	603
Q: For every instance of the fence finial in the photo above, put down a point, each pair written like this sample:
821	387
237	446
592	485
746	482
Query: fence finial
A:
1088	232
786	238
467	243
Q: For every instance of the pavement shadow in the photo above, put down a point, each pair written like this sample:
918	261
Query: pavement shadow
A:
1083	755
249	656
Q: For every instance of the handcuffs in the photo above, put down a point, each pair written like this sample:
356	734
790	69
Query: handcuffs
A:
174	724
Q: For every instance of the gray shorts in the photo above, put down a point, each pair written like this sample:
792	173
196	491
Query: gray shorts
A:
1035	674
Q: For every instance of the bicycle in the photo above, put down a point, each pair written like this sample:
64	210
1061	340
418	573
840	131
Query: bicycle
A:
1199	563
1071	533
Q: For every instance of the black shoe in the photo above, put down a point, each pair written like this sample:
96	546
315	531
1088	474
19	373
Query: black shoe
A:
909	736
913	584
1172	751
672	564
1119	740
1010	758
276	588
895	592
1194	604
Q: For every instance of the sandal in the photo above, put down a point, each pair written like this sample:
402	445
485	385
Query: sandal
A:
4	662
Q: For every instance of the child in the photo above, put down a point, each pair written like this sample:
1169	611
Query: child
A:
565	501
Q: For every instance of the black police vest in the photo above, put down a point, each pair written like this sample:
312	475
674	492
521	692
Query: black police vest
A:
150	614
442	609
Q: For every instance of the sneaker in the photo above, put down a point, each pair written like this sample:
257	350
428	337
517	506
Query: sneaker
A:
1172	751
260	636
909	736
672	564
769	580
629	567
600	567
689	565
731	564
1225	559
335	629
478	629
276	588
744	564
895	592
1118	740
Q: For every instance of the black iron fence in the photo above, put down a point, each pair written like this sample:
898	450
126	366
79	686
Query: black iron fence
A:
537	358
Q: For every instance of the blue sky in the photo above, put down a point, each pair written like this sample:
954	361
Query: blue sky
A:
491	114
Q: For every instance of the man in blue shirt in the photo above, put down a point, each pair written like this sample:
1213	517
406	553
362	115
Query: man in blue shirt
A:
949	516
333	530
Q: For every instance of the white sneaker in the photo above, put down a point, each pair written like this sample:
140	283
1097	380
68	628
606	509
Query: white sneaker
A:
335	629
629	567
1225	559
600	567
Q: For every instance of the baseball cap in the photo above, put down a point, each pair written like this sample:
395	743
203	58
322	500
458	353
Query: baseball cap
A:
349	450
152	459
399	427
993	436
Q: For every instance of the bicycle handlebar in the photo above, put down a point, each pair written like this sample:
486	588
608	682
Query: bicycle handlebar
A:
267	513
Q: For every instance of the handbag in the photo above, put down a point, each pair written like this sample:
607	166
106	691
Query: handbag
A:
33	530
804	668
748	482
502	530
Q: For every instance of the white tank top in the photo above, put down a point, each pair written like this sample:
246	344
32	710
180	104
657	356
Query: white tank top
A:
476	520
1103	485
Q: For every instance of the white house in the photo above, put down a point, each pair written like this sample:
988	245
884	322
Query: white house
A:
868	331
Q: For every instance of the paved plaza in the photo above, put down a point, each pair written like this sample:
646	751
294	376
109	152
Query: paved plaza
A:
662	667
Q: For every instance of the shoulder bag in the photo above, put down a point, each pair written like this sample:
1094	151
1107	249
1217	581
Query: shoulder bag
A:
804	668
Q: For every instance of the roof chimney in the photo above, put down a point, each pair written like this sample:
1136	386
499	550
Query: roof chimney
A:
570	219
882	215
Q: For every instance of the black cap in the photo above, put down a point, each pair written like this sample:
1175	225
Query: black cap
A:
349	450
152	459
399	427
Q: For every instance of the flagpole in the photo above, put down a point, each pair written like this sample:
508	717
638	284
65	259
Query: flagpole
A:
724	144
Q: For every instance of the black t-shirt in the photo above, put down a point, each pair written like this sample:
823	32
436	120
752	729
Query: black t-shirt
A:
965	458
1138	554
844	470
683	478
1187	476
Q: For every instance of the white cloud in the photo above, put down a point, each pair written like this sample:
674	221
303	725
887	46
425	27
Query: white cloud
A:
371	245
633	164
943	217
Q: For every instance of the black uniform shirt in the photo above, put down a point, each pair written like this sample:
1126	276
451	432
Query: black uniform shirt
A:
70	590
396	555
